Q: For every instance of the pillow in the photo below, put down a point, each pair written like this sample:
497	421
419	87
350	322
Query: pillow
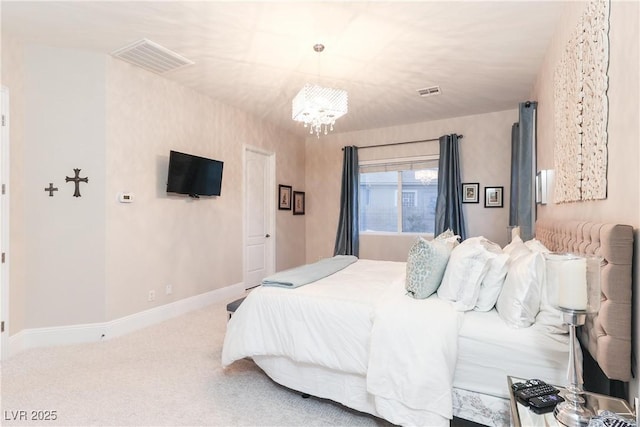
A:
519	300
516	248
426	264
467	267
449	237
492	283
535	245
515	231
549	317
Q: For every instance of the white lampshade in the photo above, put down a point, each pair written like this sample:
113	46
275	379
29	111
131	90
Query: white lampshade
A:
573	282
319	107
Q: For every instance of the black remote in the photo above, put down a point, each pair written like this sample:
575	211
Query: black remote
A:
546	403
540	390
526	384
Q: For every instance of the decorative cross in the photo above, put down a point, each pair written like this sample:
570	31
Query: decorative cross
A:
51	189
77	180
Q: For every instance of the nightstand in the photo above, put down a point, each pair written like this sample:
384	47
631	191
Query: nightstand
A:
521	416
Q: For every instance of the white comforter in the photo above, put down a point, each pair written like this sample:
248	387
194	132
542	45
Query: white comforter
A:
358	321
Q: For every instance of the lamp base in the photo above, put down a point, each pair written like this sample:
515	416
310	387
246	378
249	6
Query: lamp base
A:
572	415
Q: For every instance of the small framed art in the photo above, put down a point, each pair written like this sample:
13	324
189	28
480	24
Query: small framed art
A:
284	197
493	197
470	192
298	202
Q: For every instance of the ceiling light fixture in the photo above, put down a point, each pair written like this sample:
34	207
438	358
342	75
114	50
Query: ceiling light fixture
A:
319	107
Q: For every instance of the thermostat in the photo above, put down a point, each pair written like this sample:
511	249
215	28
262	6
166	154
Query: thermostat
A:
125	197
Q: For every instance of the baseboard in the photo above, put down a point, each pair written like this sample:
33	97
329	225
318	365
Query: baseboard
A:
94	332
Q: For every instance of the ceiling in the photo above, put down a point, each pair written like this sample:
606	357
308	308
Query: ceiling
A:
256	56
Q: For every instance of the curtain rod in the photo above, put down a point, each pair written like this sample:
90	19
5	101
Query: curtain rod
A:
402	143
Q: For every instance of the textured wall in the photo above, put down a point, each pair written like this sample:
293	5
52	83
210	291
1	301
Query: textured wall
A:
194	245
64	235
622	204
91	259
485	157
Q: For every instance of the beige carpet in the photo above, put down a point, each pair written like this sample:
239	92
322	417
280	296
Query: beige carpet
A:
168	374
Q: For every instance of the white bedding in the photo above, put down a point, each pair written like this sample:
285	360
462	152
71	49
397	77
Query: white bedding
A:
369	328
489	350
314	317
358	323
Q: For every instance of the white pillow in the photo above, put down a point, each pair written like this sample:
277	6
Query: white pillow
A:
519	300
516	248
492	283
535	245
467	267
426	264
447	236
549	317
515	232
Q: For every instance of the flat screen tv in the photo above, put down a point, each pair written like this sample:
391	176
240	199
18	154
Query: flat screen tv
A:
194	175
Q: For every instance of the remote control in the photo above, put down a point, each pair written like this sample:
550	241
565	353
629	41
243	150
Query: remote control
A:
526	384
540	390
546	403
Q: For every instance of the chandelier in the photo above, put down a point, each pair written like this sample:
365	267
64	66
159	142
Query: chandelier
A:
426	176
319	107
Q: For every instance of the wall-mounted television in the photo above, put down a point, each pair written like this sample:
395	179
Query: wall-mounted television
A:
194	175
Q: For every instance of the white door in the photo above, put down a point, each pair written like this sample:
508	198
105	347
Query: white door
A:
4	220
259	207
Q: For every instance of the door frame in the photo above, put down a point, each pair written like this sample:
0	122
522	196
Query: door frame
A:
4	221
271	209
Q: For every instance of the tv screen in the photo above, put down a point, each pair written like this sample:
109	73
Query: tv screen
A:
194	175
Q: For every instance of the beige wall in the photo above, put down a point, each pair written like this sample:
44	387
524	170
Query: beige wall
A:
92	259
623	192
194	245
485	153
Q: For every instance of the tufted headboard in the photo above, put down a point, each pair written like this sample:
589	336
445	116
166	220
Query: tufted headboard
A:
606	335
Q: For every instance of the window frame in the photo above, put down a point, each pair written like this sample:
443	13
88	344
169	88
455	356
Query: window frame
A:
393	164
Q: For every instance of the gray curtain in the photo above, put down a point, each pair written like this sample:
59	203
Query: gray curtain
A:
347	237
513	199
523	171
449	202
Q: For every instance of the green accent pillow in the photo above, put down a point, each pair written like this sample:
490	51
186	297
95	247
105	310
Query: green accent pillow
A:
426	264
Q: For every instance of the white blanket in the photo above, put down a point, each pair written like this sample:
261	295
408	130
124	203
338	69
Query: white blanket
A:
413	356
358	321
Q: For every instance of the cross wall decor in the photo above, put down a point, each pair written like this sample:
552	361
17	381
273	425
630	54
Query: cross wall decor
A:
51	189
77	180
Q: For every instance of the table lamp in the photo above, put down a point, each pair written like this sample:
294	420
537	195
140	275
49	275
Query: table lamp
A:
573	287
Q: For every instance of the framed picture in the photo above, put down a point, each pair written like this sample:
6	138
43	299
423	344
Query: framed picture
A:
284	197
470	192
493	197
298	202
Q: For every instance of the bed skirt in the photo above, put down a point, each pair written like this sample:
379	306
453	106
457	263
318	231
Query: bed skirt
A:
351	391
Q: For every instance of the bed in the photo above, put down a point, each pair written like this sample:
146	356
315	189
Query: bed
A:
356	338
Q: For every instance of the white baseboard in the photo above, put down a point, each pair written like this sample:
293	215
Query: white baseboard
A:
94	332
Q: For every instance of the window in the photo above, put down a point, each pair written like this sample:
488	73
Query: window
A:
398	197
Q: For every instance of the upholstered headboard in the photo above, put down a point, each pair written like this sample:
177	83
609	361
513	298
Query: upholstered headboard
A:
606	335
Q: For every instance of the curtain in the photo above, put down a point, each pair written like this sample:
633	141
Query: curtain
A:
513	199
449	202
523	170
347	237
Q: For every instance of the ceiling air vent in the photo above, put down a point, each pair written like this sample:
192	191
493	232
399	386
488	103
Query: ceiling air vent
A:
429	91
151	56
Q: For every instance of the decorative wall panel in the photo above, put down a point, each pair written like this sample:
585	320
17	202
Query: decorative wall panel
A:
581	109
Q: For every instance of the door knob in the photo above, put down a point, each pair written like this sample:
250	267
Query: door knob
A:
267	235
